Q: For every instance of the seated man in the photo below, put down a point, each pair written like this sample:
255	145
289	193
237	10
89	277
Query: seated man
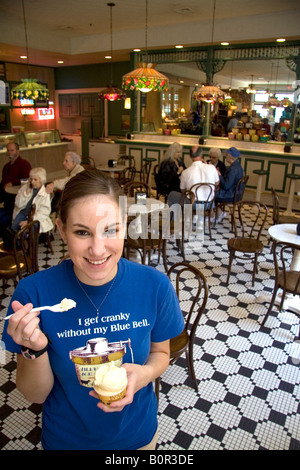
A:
72	165
13	172
229	181
198	172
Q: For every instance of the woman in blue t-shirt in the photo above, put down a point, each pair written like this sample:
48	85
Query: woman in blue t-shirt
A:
118	301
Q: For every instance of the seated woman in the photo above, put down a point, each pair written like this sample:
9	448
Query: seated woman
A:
33	192
168	177
215	156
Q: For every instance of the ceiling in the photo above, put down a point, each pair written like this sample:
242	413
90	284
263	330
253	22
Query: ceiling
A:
78	32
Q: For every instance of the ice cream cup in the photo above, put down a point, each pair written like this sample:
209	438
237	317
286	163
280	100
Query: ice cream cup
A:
95	354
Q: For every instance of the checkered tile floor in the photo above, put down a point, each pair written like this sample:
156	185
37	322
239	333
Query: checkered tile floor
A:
248	396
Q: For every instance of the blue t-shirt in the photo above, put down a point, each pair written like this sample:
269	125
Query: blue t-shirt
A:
142	307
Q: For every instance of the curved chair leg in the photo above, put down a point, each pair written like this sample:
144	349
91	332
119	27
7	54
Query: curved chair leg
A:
229	265
156	389
254	269
190	363
270	306
164	254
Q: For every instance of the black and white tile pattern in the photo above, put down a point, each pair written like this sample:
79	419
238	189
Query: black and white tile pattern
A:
248	396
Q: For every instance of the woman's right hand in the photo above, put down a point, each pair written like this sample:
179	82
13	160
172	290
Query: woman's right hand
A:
23	327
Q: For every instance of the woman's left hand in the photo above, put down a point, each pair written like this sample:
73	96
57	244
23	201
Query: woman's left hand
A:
134	371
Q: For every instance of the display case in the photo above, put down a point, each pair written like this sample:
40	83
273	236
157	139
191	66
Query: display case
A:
51	136
19	138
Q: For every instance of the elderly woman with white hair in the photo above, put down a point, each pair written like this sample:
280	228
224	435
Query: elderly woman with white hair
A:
33	192
170	169
215	156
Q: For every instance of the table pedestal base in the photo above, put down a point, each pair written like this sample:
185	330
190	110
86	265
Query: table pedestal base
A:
291	302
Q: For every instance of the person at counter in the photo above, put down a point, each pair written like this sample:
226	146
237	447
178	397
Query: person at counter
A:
170	169
228	182
72	165
215	156
233	122
13	172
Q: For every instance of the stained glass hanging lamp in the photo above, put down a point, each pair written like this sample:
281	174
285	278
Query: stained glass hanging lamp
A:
145	78
111	92
29	88
210	93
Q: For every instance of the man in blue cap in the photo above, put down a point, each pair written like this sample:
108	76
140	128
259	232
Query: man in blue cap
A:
228	182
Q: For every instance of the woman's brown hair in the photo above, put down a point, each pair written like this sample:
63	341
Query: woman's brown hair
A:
84	184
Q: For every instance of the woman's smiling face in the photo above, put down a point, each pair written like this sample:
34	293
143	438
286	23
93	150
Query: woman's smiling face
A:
95	232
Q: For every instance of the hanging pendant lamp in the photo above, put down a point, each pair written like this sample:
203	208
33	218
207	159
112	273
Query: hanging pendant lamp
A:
111	92
145	78
29	88
210	93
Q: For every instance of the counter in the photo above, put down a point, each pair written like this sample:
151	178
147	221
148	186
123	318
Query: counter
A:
268	156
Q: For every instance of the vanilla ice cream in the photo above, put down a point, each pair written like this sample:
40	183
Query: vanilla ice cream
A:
66	304
110	382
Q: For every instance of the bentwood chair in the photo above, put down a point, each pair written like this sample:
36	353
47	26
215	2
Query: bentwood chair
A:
127	175
180	228
133	187
88	163
249	218
145	172
126	160
44	237
279	218
206	204
24	259
286	277
192	306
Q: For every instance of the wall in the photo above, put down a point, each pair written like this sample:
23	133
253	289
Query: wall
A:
96	76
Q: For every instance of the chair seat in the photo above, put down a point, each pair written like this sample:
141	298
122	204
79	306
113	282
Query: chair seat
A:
8	267
292	278
246	245
179	344
5	250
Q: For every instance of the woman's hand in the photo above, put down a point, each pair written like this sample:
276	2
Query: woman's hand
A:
134	372
23	223
23	327
139	376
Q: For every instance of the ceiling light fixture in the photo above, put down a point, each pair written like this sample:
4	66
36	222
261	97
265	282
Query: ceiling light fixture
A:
251	88
111	92
273	102
286	103
145	78
29	88
210	93
224	43
281	40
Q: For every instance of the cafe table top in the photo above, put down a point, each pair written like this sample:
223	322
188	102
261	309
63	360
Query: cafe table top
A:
286	233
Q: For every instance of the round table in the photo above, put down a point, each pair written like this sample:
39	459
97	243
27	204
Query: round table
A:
111	169
286	233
